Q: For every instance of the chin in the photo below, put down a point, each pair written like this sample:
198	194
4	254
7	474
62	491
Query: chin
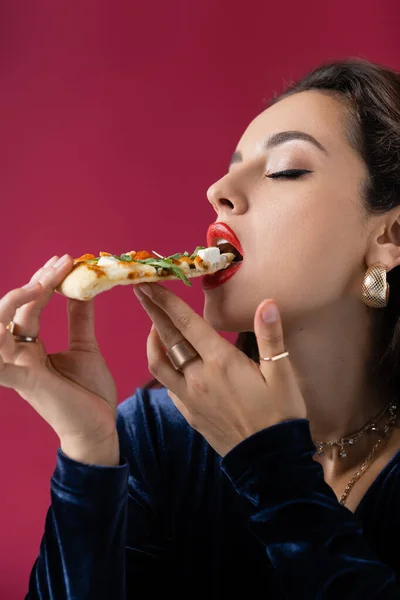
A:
224	316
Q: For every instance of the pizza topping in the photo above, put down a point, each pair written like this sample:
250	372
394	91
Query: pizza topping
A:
184	255
132	253
107	260
202	258
210	255
167	264
142	254
150	261
84	258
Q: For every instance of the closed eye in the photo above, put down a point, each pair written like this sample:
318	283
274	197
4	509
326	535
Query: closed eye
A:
289	174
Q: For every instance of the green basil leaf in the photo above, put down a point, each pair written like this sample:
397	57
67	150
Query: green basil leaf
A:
156	262
166	264
124	257
178	255
174	256
178	273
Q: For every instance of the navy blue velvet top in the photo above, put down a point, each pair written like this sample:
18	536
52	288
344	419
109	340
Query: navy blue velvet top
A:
175	517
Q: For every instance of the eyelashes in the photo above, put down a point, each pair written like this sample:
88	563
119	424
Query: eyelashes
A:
289	174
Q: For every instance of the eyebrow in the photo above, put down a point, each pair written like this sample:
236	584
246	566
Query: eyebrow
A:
281	138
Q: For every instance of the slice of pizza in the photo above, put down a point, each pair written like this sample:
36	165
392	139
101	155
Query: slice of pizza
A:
92	275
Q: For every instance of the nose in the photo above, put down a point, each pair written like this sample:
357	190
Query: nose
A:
227	198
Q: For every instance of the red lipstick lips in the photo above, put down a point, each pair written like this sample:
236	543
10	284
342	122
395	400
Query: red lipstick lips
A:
216	232
221	231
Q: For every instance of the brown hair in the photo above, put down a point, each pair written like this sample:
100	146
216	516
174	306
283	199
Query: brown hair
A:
371	95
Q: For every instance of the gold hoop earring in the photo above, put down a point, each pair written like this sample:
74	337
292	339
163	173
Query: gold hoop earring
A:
375	289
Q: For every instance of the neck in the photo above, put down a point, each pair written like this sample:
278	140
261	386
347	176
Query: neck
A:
330	354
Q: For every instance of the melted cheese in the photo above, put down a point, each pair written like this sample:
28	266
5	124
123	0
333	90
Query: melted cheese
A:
210	256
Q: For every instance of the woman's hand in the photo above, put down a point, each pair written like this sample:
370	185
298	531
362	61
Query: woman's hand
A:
222	393
73	390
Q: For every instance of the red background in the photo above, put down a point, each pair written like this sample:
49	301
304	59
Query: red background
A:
115	117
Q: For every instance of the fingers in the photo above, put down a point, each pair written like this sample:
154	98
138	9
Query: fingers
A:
160	366
7	345
191	325
167	331
15	299
168	336
27	316
269	334
81	324
11	376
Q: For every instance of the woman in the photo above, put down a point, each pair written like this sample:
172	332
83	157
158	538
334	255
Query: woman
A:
271	465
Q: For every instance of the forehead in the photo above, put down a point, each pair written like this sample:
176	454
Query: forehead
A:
318	114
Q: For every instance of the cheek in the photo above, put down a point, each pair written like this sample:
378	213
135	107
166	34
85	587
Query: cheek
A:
305	257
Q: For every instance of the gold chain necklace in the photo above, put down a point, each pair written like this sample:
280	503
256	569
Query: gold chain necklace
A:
351	439
386	433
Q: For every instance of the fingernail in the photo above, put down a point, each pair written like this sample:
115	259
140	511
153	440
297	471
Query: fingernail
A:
270	313
61	261
51	261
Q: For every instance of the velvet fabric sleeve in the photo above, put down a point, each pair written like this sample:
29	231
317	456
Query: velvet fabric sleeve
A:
82	550
316	545
88	550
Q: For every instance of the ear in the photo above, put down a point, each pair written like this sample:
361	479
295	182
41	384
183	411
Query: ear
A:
384	240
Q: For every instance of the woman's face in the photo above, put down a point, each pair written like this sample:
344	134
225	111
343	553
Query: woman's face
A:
304	237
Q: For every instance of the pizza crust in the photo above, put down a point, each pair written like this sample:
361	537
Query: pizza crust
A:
86	280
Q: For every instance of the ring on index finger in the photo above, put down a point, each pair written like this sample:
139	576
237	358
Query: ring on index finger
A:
17	337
